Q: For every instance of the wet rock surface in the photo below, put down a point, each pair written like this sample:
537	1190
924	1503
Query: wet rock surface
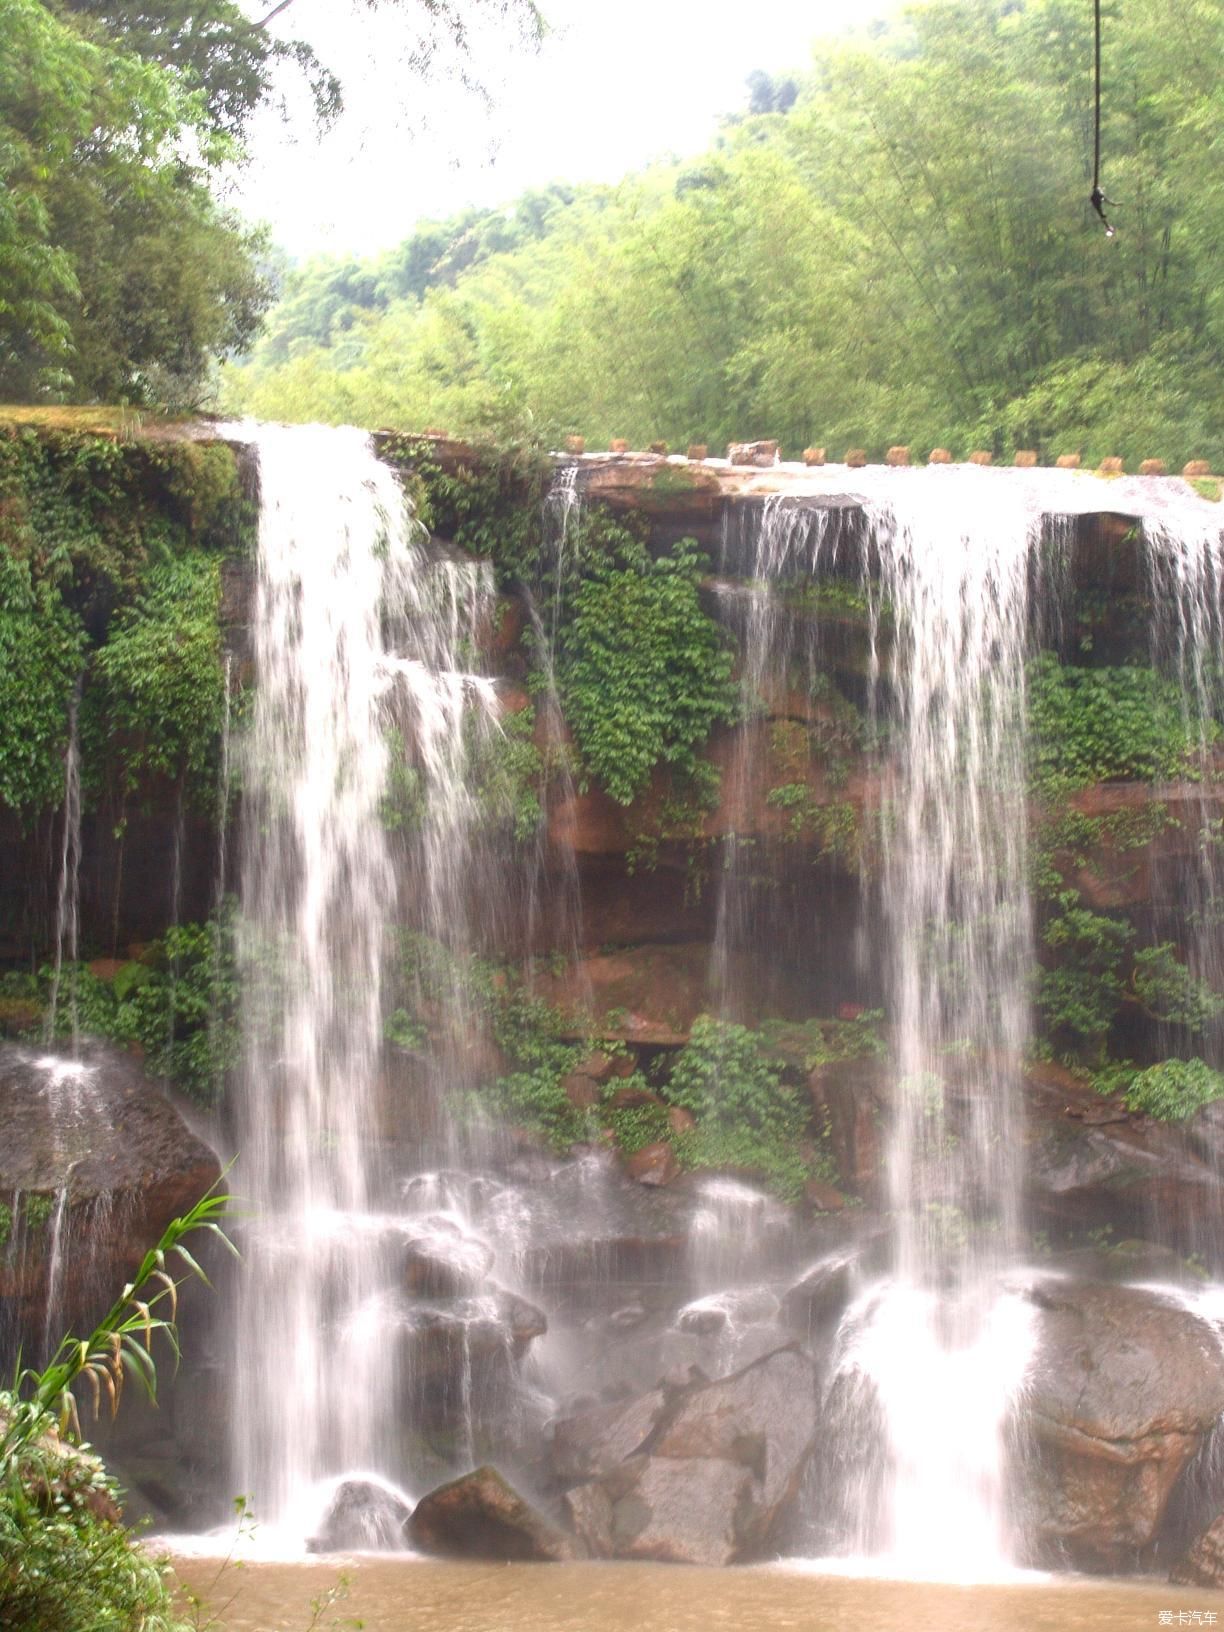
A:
592	1444
362	1515
702	1472
678	1512
1091	1163
446	1264
764	1418
1125	1385
481	1515
1203	1564
817	1300
97	1143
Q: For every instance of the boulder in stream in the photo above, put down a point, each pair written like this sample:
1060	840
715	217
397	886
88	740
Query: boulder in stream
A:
362	1514
1125	1384
764	1419
481	1515
679	1511
1203	1564
109	1161
702	1474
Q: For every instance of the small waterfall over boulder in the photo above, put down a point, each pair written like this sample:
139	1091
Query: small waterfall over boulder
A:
95	1164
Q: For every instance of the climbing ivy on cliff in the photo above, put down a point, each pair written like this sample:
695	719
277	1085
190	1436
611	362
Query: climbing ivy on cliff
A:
159	694
41	645
1107	724
490	506
644	672
747	1115
110	558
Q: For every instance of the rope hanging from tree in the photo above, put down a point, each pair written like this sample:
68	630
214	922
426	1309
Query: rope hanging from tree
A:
1098	198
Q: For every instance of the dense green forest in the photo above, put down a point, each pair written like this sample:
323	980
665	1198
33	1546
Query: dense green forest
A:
123	274
892	245
903	252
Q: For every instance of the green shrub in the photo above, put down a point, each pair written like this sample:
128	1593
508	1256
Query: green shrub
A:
180	1004
1098	725
636	1126
747	1115
66	1565
1084	993
506	776
62	1567
158	697
806	1044
1174	1089
41	652
532	1035
834	827
1066	839
492	507
644	674
111	550
1168	991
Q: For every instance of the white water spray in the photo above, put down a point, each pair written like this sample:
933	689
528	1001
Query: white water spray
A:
353	627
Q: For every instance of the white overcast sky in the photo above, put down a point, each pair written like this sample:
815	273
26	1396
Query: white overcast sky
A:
618	83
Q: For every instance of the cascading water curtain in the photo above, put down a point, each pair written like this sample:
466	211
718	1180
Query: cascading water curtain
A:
353	627
1184	549
928	1362
942	1343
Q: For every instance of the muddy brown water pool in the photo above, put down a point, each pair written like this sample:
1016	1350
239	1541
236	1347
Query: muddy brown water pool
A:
416	1595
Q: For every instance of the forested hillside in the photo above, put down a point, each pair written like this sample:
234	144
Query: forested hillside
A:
903	252
124	273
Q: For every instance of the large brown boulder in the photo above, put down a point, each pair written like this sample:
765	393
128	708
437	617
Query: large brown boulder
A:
365	1514
591	1444
101	1160
588	1512
763	1418
679	1511
1124	1385
702	1474
481	1515
1203	1565
653	1164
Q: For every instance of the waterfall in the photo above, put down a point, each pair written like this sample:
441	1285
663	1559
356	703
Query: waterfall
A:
941	1343
931	1358
942	570
1185	564
68	895
383	1329
355	627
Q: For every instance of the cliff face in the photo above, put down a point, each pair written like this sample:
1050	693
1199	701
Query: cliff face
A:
734	870
674	960
115	546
